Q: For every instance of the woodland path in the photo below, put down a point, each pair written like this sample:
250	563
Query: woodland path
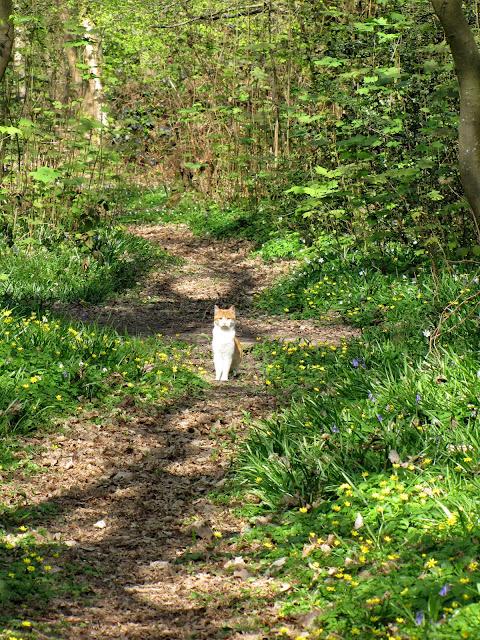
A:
156	569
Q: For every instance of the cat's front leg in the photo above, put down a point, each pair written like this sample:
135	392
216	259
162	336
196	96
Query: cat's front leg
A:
217	362
226	364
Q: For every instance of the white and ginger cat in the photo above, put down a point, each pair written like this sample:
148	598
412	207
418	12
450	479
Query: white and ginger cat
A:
227	350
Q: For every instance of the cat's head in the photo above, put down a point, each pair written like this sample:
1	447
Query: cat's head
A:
224	318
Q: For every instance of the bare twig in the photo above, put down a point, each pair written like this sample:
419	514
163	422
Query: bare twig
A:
446	314
249	10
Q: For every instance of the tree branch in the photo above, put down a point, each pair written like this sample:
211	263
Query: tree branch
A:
251	10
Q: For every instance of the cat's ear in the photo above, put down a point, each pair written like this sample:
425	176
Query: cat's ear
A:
232	307
216	308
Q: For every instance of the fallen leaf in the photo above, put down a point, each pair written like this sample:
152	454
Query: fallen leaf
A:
307	619
242	573
101	524
201	529
70	543
122	475
67	463
159	564
394	457
236	563
279	563
308	548
50	462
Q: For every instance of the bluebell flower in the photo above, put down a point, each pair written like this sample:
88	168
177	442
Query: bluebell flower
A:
355	363
335	429
419	618
418	398
444	590
379	417
371	397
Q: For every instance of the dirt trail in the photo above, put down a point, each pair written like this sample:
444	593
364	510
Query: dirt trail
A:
155	568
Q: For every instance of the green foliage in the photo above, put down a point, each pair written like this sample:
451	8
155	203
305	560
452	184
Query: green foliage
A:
344	118
203	217
56	266
49	366
368	392
390	555
283	247
375	453
29	576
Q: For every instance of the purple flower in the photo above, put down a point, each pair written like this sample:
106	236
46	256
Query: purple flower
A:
371	397
418	398
335	429
355	363
419	618
444	590
379	417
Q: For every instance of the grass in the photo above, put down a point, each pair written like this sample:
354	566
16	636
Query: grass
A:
204	218
371	471
28	579
69	266
49	366
369	475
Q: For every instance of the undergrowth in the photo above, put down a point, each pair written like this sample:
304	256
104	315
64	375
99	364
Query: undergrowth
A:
372	469
49	366
204	217
60	266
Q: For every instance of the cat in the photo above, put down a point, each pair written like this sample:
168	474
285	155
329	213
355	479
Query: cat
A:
227	350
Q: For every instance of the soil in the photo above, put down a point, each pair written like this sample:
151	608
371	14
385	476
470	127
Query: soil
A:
127	493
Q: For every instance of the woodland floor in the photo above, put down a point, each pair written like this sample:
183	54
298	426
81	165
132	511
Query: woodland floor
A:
155	570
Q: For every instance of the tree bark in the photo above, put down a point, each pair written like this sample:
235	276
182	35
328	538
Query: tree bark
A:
466	56
6	35
19	63
93	100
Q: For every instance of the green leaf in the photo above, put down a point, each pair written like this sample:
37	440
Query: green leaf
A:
364	27
11	131
45	175
330	173
435	195
328	61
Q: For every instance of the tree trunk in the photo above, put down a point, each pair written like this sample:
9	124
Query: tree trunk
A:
6	34
467	66
19	63
93	100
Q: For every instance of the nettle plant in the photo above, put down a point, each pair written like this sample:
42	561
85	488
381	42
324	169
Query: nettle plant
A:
387	110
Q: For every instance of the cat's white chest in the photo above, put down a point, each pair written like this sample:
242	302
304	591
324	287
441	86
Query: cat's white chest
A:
223	340
223	347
